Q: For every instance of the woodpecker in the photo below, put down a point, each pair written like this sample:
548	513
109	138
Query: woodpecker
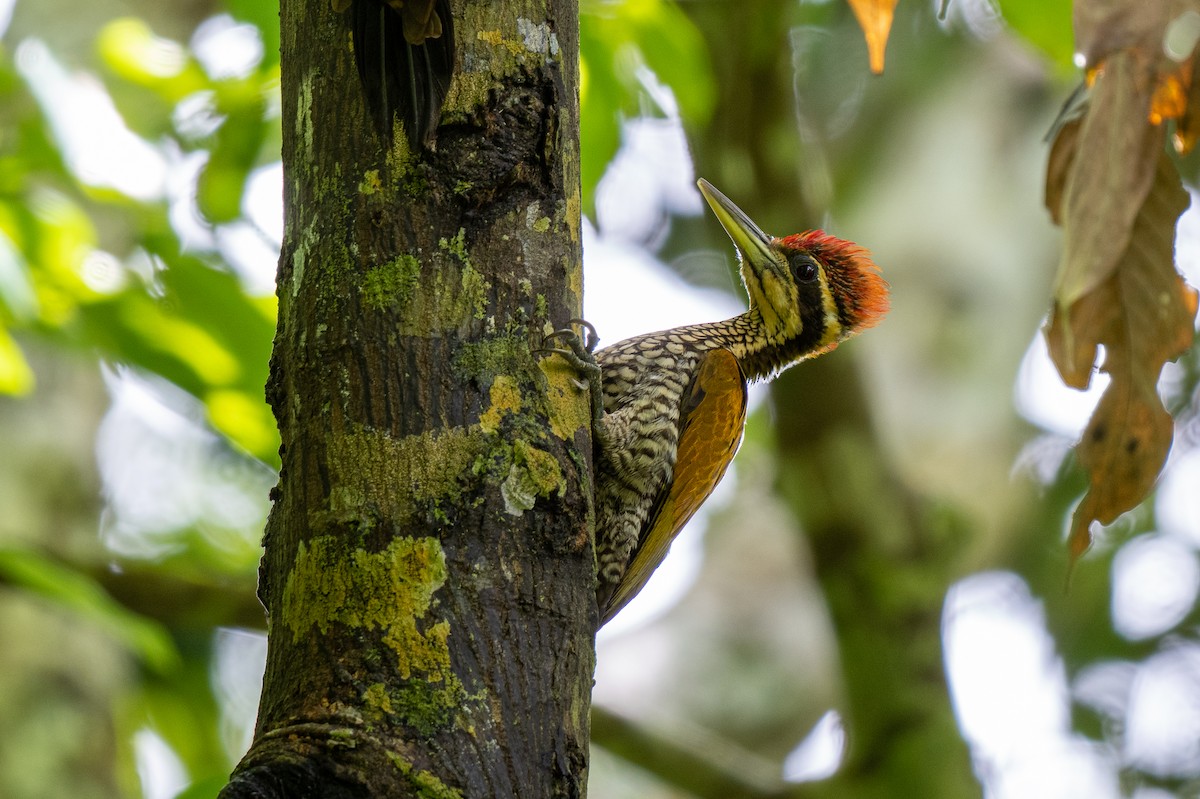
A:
404	50
669	408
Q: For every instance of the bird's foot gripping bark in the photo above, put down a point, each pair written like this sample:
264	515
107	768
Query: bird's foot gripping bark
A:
579	351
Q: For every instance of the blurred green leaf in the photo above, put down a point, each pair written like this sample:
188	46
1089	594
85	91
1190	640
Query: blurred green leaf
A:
616	40
146	639
1046	24
15	375
181	708
205	335
264	16
147	74
238	143
134	53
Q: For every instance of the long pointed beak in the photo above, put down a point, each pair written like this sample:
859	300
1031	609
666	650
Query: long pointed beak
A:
752	243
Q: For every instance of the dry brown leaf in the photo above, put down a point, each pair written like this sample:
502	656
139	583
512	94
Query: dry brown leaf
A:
1117	195
1142	313
875	19
1062	155
1108	176
1104	27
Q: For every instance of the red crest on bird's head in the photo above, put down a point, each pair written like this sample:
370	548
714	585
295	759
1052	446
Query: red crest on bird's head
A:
860	291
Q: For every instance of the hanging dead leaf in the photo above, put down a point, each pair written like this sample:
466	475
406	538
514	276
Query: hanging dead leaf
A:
1108	177
1062	155
1104	27
875	19
1142	314
1117	196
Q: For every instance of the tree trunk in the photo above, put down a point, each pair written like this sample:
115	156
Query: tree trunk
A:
428	569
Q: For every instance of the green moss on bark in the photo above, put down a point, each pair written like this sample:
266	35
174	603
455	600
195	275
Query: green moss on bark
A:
425	784
392	283
391	591
400	479
532	473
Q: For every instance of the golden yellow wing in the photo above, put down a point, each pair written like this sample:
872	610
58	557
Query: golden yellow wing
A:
711	423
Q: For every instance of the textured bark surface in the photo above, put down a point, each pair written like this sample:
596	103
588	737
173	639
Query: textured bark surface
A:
429	569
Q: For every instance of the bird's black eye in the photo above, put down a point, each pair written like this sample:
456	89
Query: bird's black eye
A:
806	270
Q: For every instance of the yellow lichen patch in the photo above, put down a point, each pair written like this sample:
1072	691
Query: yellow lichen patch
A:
573	214
496	39
505	399
376	697
370	184
568	405
544	472
329	585
533	473
390	590
399	478
425	660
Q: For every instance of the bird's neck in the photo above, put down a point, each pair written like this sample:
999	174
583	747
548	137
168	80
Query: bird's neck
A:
761	352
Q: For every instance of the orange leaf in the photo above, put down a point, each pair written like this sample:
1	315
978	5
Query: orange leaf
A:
1170	98
875	19
1188	128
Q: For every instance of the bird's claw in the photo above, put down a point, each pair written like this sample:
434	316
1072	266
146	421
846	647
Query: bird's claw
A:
580	353
581	347
581	350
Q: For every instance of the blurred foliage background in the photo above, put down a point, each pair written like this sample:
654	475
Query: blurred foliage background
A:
875	603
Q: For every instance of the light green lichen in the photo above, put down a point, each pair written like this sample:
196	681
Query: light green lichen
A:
481	361
541	225
425	783
399	479
457	246
304	121
376	699
430	297
370	184
342	739
533	473
392	283
474	291
390	590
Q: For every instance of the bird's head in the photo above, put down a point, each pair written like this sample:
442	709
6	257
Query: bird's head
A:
811	289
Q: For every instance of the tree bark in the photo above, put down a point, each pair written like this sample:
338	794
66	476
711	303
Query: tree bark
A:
428	570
